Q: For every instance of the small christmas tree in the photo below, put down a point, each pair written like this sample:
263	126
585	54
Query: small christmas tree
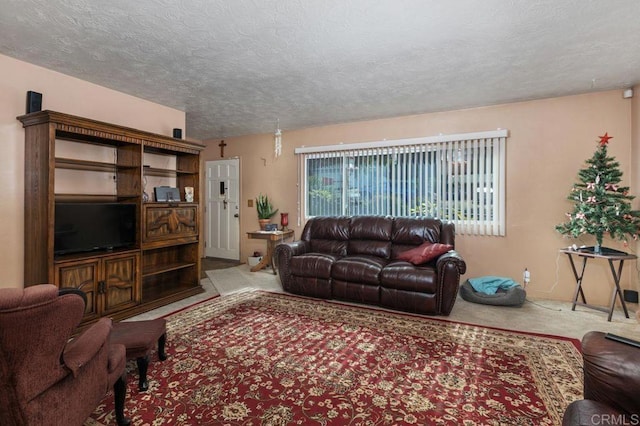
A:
601	205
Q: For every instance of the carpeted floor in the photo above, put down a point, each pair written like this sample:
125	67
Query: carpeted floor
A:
256	357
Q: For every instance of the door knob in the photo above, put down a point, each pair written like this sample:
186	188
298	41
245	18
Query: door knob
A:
236	215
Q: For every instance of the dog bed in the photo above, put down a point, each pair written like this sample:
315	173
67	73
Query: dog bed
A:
514	296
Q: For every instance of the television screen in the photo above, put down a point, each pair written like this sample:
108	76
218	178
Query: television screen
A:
84	227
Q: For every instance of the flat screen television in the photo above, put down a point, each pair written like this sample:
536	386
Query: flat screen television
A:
86	227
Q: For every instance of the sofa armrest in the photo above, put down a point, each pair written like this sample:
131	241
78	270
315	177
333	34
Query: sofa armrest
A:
294	248
454	258
611	372
285	251
585	412
282	257
449	266
83	348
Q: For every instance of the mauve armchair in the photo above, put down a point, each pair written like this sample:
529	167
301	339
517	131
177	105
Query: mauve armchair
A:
45	378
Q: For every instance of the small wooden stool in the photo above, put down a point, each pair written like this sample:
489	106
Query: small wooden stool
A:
139	337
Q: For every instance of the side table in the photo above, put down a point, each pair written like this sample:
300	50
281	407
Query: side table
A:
611	256
273	239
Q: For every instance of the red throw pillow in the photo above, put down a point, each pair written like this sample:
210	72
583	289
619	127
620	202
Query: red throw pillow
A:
424	252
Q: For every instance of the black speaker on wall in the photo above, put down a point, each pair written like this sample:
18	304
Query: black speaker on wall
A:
34	101
177	133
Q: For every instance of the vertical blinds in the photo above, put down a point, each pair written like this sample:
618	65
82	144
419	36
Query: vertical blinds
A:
453	177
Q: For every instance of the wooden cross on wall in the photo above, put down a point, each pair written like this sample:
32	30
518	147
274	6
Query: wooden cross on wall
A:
222	145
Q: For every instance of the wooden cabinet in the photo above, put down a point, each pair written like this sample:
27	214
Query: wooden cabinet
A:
171	254
168	223
109	281
69	158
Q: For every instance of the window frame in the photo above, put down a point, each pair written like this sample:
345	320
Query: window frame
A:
448	143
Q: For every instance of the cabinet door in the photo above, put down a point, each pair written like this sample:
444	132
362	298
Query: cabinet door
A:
120	275
173	224
83	275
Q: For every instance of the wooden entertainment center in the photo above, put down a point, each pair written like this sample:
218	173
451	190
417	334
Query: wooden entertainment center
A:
164	263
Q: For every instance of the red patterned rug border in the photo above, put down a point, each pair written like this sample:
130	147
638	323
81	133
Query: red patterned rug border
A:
576	342
193	305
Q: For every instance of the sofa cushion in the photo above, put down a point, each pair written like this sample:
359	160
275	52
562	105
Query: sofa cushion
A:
359	269
371	228
370	235
370	248
415	230
424	252
402	275
338	248
327	234
316	265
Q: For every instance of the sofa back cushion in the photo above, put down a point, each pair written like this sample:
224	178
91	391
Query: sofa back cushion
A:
327	234
370	235
410	232
381	236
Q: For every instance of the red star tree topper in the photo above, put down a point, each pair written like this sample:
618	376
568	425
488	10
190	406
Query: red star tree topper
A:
605	139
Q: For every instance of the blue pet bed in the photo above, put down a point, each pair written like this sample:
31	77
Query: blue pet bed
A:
493	291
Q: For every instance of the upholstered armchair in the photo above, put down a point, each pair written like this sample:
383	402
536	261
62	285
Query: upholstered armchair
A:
45	378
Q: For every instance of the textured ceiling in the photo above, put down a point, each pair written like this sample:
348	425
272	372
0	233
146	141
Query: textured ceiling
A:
237	66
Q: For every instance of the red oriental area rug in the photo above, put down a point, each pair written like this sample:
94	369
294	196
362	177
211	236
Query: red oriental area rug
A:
261	358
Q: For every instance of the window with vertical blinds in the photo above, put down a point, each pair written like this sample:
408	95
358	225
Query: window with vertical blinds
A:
460	178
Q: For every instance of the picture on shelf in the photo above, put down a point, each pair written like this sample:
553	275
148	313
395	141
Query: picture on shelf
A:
166	194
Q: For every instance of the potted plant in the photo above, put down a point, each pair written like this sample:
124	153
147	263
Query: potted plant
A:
265	210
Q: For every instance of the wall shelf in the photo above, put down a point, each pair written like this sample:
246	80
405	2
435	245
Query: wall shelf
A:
152	171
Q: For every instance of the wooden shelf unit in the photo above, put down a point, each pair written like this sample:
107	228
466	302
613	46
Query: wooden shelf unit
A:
164	265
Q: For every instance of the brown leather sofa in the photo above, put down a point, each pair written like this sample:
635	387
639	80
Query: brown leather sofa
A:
611	384
356	259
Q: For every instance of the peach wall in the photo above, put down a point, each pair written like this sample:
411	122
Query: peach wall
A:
635	144
65	94
549	141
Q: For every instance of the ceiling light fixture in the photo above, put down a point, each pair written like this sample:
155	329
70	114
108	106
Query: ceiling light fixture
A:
277	138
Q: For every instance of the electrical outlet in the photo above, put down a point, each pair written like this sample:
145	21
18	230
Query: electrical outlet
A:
250	203
526	277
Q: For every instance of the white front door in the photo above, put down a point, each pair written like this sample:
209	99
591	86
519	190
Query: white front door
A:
223	210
